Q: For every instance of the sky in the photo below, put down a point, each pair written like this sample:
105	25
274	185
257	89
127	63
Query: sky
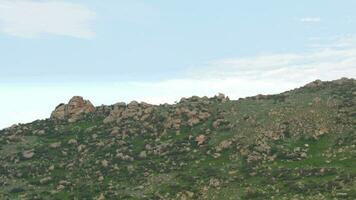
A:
159	51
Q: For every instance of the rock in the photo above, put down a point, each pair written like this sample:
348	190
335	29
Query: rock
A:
133	110
214	182
55	145
41	132
90	129
45	180
340	194
174	123
115	113
320	132
133	104
74	110
71	120
115	130
60	187
81	147
216	155
59	112
101	197
219	123
193	121
72	141
204	115
314	84
190	194
64	182
200	139
104	163
109	119
221	97
303	155
224	145
143	154
121	156
316	100
51	168
342	80
28	154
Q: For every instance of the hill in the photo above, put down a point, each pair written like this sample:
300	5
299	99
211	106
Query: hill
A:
300	144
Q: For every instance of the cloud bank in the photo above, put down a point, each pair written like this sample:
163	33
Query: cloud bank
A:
32	18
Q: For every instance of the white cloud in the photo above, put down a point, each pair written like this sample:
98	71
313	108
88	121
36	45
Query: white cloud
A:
322	64
31	18
347	41
310	19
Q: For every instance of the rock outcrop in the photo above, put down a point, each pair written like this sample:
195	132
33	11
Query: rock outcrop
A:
134	110
74	110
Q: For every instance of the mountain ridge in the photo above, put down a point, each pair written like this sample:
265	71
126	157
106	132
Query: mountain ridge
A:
299	142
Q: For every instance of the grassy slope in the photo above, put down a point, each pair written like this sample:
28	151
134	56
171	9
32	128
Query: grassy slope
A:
313	155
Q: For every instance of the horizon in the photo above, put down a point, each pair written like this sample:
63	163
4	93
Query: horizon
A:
160	51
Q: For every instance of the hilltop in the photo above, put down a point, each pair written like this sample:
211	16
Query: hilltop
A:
300	144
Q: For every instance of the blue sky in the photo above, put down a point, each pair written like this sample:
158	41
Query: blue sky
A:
159	51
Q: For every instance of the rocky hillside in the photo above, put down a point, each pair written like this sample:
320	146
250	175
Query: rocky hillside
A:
300	144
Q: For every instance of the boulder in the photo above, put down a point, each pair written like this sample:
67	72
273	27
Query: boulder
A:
224	145
104	163
200	139
45	180
28	154
55	145
143	154
74	110
101	197
72	141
